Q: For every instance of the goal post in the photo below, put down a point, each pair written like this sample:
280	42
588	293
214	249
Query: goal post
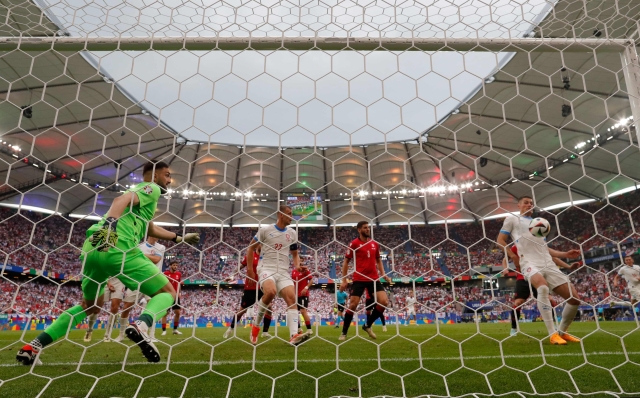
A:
195	43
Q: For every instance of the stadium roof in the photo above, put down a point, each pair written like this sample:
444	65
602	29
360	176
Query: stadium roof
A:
511	134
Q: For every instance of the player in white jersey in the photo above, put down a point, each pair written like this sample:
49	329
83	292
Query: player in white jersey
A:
535	260
411	309
630	273
278	241
115	294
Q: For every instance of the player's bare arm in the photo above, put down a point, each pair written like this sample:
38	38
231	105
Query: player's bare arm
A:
562	264
250	251
297	263
502	242
345	270
573	253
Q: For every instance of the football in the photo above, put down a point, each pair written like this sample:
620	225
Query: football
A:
539	227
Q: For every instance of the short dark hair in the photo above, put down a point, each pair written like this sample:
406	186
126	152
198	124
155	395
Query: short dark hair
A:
524	197
174	262
149	166
282	208
361	223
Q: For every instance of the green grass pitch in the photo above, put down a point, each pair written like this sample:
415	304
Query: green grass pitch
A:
404	361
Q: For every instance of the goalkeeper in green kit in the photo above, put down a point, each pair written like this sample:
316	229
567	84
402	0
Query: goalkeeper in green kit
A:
111	249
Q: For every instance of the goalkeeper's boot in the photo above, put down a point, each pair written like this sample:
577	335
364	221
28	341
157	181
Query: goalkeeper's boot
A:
342	337
176	331
513	332
137	332
164	333
266	335
255	332
27	355
369	332
228	333
384	328
87	336
555	339
298	338
569	338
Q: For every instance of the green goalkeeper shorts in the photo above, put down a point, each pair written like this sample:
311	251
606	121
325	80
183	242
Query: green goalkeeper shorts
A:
132	267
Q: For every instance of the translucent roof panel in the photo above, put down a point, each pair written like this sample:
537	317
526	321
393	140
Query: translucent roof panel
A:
296	98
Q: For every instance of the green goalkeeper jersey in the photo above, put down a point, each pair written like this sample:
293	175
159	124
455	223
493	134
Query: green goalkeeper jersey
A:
132	225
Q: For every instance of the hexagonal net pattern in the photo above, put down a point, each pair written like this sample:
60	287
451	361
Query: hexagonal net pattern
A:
147	148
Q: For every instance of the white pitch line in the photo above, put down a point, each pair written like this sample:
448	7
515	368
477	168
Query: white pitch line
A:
244	362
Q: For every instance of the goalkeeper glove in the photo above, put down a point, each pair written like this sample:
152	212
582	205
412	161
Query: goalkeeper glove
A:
191	238
106	236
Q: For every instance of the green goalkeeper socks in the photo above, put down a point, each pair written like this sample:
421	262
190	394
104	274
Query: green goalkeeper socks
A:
156	308
59	328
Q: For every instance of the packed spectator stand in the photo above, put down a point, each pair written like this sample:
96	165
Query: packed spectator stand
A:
51	243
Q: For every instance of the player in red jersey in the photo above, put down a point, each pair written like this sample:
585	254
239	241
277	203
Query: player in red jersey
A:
367	275
302	279
175	277
523	293
250	296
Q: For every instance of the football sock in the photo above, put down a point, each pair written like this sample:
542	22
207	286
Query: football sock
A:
124	322
175	325
348	317
92	320
71	317
568	314
515	314
546	311
308	324
234	319
164	326
262	310
383	321
375	314
156	308
109	327
266	323
292	322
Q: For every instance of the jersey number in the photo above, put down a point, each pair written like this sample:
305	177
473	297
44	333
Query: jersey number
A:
277	246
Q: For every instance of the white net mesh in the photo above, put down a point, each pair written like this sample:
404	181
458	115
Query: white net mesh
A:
427	119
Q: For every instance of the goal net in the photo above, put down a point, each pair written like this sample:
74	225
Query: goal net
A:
430	120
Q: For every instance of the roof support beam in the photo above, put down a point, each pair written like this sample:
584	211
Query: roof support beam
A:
572	90
236	184
424	146
413	174
326	188
548	180
191	170
375	207
88	121
175	43
48	86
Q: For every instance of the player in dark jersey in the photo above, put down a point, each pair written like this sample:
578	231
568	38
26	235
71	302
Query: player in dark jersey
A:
368	270
250	296
524	289
369	304
302	280
175	277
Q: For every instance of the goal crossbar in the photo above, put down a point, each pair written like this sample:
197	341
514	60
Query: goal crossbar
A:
64	43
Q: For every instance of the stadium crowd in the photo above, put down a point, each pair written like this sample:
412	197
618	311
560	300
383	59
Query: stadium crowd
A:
51	243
